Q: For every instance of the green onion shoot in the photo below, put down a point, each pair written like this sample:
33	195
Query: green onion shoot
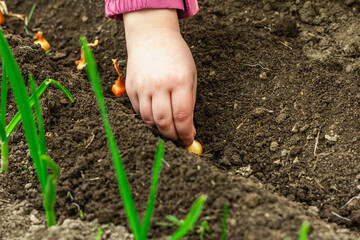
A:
34	133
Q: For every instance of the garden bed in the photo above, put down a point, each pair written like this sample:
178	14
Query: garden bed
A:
277	113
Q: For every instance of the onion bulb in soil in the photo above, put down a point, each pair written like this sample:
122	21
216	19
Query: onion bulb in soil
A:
40	40
195	147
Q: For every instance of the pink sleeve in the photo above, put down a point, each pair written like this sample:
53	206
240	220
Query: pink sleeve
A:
115	8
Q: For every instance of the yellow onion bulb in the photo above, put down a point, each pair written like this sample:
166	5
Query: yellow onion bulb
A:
40	40
195	147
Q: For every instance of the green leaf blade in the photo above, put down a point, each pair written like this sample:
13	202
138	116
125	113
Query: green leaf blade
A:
98	237
61	87
304	230
39	117
123	182
224	225
155	179
30	14
4	87
2	133
190	219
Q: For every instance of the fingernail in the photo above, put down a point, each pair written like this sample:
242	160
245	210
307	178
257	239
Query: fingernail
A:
187	142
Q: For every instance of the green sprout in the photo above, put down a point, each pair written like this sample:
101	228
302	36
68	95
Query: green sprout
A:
173	221
78	209
204	227
5	132
25	169
140	230
304	231
98	237
34	133
29	18
224	225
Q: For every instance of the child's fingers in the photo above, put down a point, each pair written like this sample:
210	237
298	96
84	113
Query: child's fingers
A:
134	100
182	108
145	105
162	114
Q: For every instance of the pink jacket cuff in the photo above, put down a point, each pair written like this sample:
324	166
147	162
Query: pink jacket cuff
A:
115	8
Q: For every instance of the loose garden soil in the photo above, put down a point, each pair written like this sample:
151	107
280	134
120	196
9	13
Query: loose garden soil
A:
277	113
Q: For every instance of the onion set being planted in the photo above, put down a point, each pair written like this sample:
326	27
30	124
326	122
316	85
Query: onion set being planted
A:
195	147
119	87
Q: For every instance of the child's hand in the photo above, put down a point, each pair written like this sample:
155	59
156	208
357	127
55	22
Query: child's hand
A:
161	73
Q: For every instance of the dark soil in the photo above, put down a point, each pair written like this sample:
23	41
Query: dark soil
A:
277	113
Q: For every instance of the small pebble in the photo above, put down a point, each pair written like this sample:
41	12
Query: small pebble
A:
332	138
49	134
244	171
281	118
277	162
258	111
232	222
34	219
313	209
348	68
274	146
263	76
284	152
